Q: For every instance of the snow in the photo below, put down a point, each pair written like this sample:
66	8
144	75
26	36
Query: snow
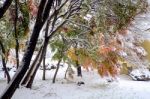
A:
122	53
94	88
140	50
141	24
88	17
140	74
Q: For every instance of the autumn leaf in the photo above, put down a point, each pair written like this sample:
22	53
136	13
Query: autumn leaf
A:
32	8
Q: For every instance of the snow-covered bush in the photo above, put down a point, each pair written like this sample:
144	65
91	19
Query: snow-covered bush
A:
140	74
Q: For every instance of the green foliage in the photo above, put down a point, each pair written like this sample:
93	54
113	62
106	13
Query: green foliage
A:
5	33
125	12
113	15
72	33
7	26
58	47
25	11
23	21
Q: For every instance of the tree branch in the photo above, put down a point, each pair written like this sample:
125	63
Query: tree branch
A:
3	9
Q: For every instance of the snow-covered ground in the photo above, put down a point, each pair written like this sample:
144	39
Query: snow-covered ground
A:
94	88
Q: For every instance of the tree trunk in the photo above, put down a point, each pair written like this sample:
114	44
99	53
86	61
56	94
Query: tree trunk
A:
79	71
16	33
3	9
27	76
4	63
44	66
5	70
32	76
43	14
58	65
46	41
66	72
